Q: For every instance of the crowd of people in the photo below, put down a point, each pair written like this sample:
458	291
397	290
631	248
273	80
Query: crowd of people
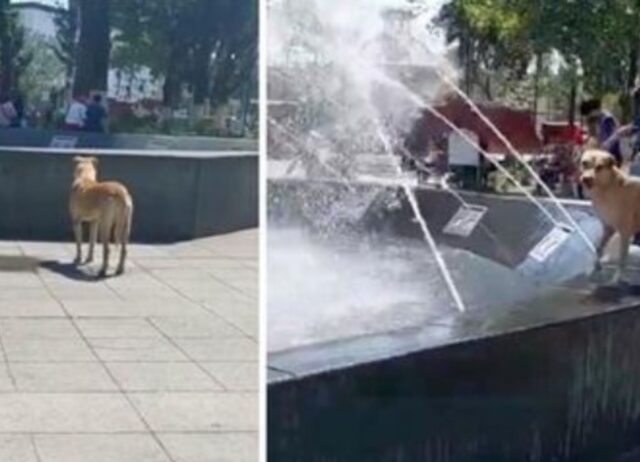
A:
82	114
12	111
86	115
456	153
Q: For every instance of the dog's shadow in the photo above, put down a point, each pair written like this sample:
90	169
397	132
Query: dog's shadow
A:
71	271
612	293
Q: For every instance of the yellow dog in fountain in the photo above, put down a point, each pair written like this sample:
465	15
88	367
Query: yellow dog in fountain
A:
616	199
106	206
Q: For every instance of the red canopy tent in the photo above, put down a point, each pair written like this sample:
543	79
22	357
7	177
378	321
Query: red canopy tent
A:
518	126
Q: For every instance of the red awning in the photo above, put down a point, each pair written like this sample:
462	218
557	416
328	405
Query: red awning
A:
517	126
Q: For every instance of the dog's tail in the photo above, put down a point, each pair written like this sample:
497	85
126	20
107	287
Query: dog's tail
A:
123	223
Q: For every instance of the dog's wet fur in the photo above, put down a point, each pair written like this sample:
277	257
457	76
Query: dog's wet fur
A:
616	199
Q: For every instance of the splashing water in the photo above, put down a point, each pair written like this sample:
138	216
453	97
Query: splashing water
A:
344	67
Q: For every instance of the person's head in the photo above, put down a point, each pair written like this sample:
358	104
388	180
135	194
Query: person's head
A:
97	98
592	121
591	107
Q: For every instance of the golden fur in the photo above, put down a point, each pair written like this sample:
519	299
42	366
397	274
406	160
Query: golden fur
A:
106	206
616	199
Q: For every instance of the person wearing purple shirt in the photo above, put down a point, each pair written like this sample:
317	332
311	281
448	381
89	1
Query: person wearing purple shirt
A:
607	126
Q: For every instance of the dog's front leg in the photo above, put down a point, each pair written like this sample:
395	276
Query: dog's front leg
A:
606	237
625	241
93	237
77	231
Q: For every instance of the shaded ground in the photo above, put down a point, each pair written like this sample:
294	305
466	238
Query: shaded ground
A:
157	365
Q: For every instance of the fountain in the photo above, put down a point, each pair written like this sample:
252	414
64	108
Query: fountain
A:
381	288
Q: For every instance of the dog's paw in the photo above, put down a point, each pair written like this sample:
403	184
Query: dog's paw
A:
597	267
619	279
77	261
120	271
88	260
102	274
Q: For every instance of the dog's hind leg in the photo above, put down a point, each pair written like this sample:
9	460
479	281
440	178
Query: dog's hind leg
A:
606	237
93	237
625	242
123	231
120	237
106	228
77	231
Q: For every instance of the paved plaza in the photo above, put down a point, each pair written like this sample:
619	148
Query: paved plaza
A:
157	365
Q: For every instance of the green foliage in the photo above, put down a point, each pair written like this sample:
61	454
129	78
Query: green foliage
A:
44	72
14	59
66	21
600	38
209	47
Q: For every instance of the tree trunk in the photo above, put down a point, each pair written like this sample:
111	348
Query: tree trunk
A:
487	88
573	93
468	67
6	50
93	49
625	101
202	74
536	85
633	68
171	86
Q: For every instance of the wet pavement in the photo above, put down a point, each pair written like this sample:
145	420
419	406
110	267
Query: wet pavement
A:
157	365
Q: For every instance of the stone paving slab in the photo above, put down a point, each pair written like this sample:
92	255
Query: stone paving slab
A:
157	365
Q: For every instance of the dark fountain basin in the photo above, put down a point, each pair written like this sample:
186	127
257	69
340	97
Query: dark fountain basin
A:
541	366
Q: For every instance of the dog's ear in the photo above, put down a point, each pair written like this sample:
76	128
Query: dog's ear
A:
609	161
78	159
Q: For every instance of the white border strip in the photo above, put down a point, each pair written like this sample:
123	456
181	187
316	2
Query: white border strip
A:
262	179
128	152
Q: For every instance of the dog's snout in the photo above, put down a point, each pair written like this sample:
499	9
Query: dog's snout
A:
587	181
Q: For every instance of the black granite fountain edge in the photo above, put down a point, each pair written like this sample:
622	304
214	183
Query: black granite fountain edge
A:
345	353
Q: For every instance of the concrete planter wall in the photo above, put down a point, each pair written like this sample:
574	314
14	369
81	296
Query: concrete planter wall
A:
176	197
30	137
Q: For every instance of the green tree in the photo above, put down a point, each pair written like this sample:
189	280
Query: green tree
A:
66	21
207	46
45	71
493	37
13	58
598	39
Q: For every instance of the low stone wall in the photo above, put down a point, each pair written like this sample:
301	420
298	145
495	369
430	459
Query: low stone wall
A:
176	197
30	137
567	391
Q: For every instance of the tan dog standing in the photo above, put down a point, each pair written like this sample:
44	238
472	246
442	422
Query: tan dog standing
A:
106	206
616	199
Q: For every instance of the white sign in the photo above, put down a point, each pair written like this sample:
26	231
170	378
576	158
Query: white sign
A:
465	220
159	144
63	142
461	150
549	244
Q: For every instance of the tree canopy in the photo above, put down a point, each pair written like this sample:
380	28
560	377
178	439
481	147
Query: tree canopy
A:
598	39
207	46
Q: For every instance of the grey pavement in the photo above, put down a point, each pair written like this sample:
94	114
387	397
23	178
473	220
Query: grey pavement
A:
157	365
